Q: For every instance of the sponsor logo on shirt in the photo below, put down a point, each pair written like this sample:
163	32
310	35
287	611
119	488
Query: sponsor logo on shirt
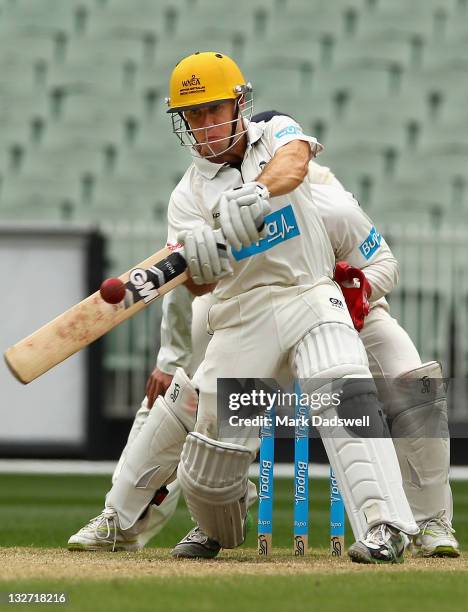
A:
287	131
281	225
336	303
370	244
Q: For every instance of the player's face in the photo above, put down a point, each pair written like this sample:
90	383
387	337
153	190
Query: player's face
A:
212	125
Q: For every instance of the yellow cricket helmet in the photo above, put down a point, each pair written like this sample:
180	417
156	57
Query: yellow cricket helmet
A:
205	78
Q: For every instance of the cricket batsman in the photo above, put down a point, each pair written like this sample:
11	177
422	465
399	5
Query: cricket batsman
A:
276	307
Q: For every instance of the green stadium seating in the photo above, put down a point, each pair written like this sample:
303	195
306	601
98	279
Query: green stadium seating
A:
452	53
385	49
127	197
293	52
367	77
330	19
46	16
135	18
374	109
425	198
18	50
268	78
223	17
16	107
397	20
35	198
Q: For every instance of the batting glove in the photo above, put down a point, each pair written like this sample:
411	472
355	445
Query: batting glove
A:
242	213
206	256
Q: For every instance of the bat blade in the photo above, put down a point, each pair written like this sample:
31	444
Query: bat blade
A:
93	317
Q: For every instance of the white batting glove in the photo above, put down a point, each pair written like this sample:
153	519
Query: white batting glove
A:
206	255
242	213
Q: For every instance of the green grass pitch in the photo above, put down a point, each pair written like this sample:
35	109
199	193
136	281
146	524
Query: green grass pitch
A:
39	513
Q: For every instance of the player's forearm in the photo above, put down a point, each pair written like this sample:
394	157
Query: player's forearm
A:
382	276
287	168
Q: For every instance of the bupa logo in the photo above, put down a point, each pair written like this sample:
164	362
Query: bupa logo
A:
287	131
370	244
336	303
281	225
193	82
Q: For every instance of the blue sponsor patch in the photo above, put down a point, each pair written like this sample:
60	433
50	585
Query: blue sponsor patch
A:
371	244
281	226
287	131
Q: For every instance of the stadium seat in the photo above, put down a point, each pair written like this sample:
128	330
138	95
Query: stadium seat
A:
136	18
46	16
20	50
374	109
398	21
294	51
385	49
412	197
453	53
222	17
23	77
18	107
380	78
331	19
126	198
450	138
35	198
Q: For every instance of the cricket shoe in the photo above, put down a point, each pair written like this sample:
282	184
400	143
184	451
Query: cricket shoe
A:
382	544
435	539
196	545
103	533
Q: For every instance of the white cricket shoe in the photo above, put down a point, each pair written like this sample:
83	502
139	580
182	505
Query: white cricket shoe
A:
382	544
103	533
435	538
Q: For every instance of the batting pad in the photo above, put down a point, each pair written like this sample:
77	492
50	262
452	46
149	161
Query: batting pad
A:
153	455
213	476
419	425
366	469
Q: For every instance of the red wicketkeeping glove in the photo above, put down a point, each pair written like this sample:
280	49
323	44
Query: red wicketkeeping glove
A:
356	291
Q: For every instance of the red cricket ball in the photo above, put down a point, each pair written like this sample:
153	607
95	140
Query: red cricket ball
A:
112	290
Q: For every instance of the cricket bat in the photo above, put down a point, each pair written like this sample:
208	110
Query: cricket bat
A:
93	317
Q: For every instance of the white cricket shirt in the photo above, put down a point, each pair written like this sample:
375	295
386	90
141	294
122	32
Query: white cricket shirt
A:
296	251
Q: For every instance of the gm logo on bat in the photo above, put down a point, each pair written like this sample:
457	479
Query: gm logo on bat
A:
281	225
140	281
143	283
